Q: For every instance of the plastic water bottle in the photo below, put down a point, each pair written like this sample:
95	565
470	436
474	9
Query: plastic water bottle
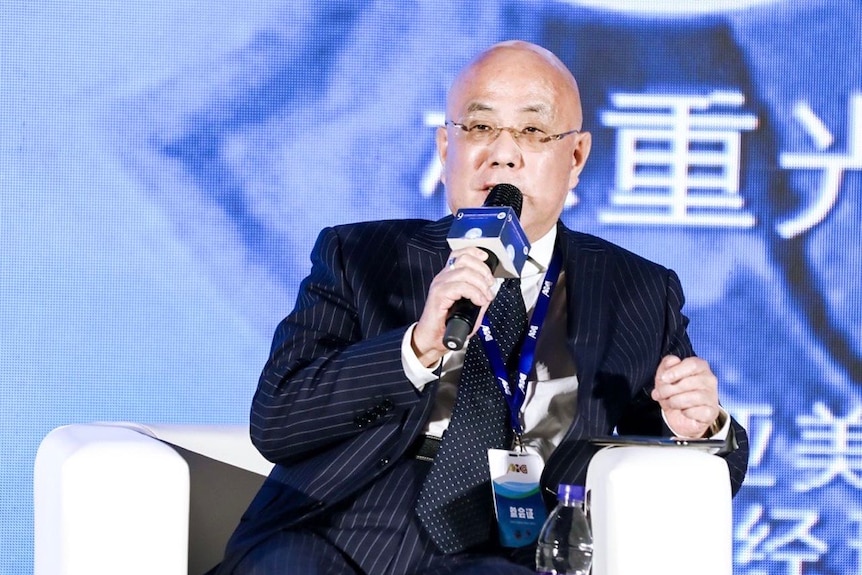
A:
565	544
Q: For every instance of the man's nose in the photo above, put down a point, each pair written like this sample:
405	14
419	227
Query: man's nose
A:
505	151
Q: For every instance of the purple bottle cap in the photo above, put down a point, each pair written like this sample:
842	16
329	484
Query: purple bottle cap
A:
569	492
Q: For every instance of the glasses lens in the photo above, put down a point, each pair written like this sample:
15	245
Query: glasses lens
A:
531	139
483	134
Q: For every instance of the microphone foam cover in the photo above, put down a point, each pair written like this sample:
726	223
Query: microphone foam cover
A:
505	195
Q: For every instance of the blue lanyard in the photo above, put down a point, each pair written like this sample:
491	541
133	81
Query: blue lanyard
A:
515	397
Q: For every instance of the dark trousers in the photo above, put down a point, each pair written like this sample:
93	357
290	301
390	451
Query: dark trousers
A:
376	534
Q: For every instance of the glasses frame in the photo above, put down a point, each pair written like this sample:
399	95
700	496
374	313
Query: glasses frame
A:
516	134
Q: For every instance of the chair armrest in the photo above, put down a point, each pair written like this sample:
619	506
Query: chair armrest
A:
122	497
109	500
660	510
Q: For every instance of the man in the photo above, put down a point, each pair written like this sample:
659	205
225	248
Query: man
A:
359	377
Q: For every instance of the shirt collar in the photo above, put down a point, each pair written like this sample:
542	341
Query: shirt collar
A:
540	255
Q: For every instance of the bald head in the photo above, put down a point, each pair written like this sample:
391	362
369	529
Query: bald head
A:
531	64
498	104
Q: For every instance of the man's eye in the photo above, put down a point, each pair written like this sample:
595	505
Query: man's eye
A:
532	130
481	128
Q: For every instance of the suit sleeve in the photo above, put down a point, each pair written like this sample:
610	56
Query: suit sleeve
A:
644	414
736	454
334	367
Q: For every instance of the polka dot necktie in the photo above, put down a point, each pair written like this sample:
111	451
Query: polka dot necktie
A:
455	503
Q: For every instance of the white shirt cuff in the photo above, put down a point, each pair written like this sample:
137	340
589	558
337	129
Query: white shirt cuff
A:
418	374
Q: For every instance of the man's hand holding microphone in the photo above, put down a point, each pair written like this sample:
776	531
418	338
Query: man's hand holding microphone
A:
487	242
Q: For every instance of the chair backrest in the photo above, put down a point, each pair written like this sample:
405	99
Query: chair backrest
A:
219	494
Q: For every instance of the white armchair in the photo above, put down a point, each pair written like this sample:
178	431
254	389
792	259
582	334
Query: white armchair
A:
126	498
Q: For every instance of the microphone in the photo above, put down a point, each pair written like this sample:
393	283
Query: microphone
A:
495	229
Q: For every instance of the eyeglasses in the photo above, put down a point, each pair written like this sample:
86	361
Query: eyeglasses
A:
528	138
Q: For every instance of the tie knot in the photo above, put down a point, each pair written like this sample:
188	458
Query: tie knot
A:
509	295
511	284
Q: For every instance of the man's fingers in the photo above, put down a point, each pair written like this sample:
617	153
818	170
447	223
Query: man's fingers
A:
695	398
672	369
667	362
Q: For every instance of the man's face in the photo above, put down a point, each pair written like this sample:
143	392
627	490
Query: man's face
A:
515	88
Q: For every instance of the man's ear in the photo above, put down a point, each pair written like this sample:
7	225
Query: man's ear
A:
442	139
579	157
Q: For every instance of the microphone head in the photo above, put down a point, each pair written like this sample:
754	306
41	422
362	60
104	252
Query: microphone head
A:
505	195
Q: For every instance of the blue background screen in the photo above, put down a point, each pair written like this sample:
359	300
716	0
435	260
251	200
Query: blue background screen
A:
165	168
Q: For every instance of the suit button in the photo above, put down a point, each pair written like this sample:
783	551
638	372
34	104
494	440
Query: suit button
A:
383	462
387	405
361	421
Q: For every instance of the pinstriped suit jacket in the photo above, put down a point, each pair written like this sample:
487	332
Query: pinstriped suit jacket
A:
334	409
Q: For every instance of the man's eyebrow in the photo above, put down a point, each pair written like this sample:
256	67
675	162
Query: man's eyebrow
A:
540	109
478	107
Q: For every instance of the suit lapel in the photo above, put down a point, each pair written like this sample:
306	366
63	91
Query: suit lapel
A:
421	257
587	306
